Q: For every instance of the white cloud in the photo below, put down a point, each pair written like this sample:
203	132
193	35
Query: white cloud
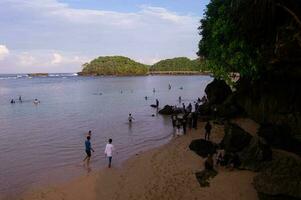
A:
25	59
4	52
57	58
58	36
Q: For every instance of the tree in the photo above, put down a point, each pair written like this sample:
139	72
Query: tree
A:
246	36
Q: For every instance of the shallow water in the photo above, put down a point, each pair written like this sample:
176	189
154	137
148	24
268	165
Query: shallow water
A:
44	143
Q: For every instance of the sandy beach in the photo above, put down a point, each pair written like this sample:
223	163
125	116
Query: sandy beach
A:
167	172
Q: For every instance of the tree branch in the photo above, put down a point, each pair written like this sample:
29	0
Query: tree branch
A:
291	13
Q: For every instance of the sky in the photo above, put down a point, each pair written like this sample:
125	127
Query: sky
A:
58	36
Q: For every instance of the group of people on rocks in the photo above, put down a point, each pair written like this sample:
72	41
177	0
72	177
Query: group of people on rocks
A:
187	118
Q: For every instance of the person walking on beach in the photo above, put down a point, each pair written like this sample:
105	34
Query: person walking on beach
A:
208	128
157	103
196	106
178	125
173	120
109	151
131	118
194	120
88	150
184	107
189	108
184	124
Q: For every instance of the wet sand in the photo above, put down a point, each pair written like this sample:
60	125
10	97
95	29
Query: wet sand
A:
164	173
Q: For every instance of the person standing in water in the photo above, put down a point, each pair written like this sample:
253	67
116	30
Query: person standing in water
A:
131	118
154	90
109	151
20	99
89	133
180	99
88	150
157	103
169	86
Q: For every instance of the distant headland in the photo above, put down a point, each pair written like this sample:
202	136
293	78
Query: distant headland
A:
124	66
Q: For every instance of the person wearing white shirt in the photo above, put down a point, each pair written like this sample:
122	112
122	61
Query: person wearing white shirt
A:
109	151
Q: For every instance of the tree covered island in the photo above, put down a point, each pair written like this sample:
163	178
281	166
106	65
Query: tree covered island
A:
113	65
123	66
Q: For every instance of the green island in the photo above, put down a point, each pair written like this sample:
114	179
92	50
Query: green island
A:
113	65
123	66
179	64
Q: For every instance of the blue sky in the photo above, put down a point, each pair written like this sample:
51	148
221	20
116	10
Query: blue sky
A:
180	6
61	35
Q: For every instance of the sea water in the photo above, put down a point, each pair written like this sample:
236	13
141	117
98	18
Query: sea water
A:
44	143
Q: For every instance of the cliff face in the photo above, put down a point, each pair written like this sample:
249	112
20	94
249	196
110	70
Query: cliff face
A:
274	98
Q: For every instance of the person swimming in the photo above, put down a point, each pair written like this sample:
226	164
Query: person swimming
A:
130	118
36	101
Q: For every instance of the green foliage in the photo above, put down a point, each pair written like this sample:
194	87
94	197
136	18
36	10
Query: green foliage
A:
245	36
224	49
114	65
179	64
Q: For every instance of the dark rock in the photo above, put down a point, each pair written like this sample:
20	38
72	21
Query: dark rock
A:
235	139
281	177
217	91
280	136
202	147
204	109
273	98
254	155
229	108
204	176
169	110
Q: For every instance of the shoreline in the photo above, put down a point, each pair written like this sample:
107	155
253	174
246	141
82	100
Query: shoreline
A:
160	73
165	172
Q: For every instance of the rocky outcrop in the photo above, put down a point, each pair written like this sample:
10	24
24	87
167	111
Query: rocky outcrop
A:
217	91
280	180
235	139
252	151
255	155
169	110
273	98
202	147
280	137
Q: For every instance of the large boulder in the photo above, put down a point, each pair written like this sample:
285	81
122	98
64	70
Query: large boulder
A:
273	98
280	136
169	110
217	91
280	180
202	147
254	156
235	138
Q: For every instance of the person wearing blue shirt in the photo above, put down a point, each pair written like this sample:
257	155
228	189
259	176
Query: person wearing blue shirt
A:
88	149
